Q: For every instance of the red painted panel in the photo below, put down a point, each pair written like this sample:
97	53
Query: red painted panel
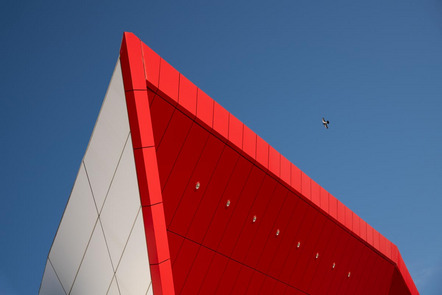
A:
174	186
324	204
206	209
151	66
192	196
139	118
161	114
220	120
132	63
183	263
389	249
156	234
354	267
341	213
309	254
214	274
345	256
398	285
292	291
360	272
337	247
147	176
187	96
321	247
242	281
315	193
169	82
268	286
279	289
199	268
306	186
255	283
236	129
296	178
262	152
370	234
175	243
285	170
383	245
228	279
274	161
289	238
301	236
348	218
238	219
394	253
325	268
223	213
266	226
363	229
162	279
376	238
355	225
250	228
171	144
249	142
333	207
204	108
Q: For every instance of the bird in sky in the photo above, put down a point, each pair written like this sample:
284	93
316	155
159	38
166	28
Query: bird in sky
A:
325	123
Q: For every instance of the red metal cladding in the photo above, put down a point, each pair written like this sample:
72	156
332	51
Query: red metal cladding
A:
212	278
169	81
236	129
274	161
285	170
262	152
200	266
221	120
187	95
139	118
151	62
306	187
225	213
206	208
161	114
204	108
183	263
132	63
156	234
315	193
249	142
243	281
196	187
296	178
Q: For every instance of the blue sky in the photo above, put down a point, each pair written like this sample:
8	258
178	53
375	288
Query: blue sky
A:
373	68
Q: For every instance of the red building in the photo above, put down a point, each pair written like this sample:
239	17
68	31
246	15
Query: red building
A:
175	195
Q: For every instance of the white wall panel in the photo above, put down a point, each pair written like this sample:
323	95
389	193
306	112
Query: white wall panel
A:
121	206
150	290
50	284
113	290
109	136
74	231
133	273
95	274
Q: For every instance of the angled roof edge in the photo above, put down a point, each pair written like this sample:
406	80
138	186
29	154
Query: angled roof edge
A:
148	71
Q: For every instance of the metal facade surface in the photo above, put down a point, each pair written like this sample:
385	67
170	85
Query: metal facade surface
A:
100	245
225	213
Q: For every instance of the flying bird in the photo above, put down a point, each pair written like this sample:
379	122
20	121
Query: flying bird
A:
325	123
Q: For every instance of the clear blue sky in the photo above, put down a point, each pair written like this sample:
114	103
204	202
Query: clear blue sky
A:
373	68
